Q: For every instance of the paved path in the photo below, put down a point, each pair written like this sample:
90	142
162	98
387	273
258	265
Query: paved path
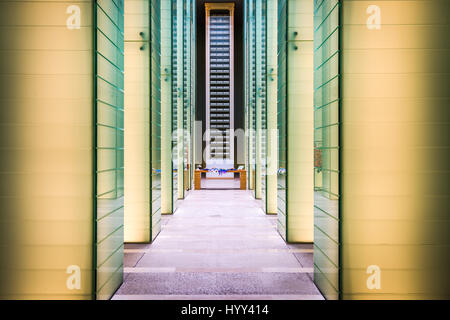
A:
218	245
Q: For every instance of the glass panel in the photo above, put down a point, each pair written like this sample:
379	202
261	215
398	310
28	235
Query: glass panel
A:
262	118
326	147
155	25
174	105
186	91
252	98
110	173
282	116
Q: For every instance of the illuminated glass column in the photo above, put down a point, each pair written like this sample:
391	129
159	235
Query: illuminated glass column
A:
155	116
179	54
260	114
178	100
251	99
295	120
166	108
187	96
142	121
382	149
62	149
272	80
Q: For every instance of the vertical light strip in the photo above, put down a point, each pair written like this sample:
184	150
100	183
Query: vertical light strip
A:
300	122
272	84
188	97
155	116
138	128
180	99
166	107
247	87
259	97
252	100
282	117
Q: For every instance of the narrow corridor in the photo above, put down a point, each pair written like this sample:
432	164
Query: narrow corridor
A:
218	245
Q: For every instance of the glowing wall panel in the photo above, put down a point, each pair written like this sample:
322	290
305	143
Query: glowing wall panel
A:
272	80
296	122
395	149
137	122
142	121
300	121
62	149
46	157
166	107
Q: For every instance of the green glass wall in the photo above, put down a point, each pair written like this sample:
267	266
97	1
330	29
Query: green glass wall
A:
246	89
187	93
271	114
260	113
176	99
179	112
193	89
282	117
251	108
167	174
326	147
110	142
156	123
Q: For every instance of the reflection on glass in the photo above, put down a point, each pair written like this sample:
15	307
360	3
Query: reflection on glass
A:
174	105
262	67
282	118
253	89
155	119
110	154
326	148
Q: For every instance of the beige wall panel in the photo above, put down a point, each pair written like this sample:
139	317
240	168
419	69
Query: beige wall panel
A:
137	122
395	168
47	155
300	123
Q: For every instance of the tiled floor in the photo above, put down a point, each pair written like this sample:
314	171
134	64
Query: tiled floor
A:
218	245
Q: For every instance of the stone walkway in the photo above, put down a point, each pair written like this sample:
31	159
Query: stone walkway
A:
218	245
